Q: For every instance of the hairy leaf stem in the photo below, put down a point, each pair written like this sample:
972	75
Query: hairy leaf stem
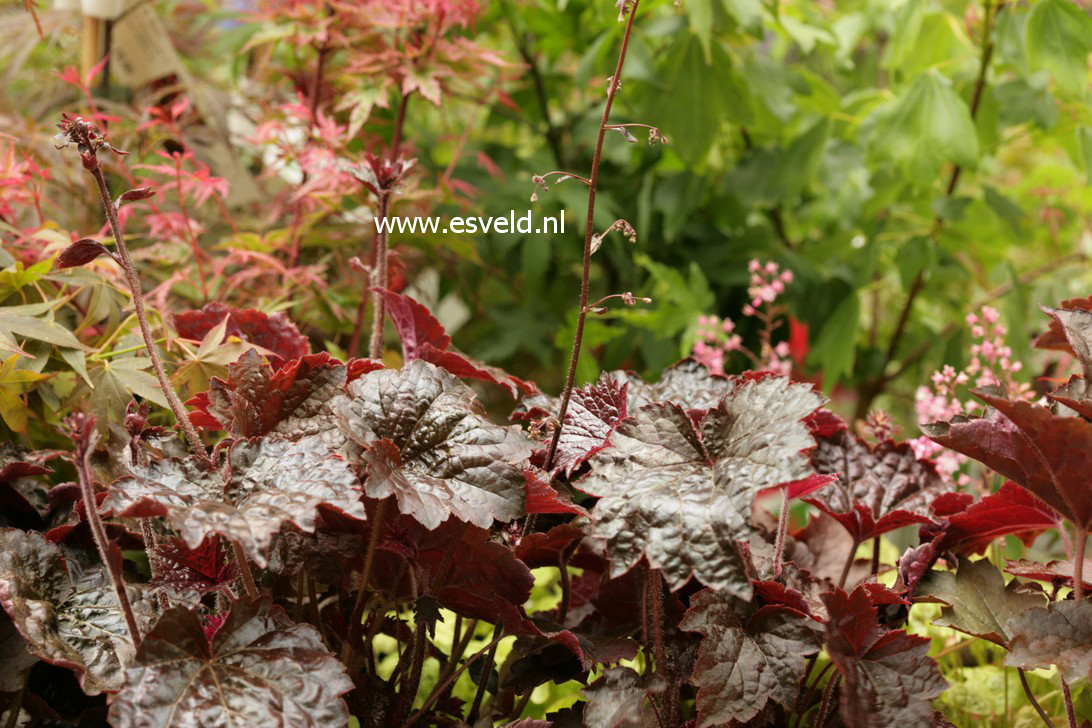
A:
87	492
442	687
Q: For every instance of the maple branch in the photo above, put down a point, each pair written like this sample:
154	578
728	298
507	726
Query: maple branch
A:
142	319
589	232
1031	698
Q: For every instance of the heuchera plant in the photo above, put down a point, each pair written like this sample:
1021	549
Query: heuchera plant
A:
313	521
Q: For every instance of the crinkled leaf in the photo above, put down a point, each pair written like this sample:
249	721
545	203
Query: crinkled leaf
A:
747	657
455	563
17	658
73	622
976	599
1074	394
1055	337
1059	634
1076	326
617	700
594	412
888	677
1050	455
1059	573
268	483
274	333
680	492
427	442
259	669
424	338
689	384
882	487
204	569
254	399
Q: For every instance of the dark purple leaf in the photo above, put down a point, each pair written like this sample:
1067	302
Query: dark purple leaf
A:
80	253
456	563
1059	634
255	400
1058	573
976	599
137	193
882	487
267	483
426	441
547	548
970	528
617	700
424	338
274	333
542	498
1076	326
888	677
594	412
680	492
74	622
1055	337
688	384
205	569
1050	455
258	669
749	656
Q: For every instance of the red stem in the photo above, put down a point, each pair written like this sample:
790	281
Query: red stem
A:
483	680
87	491
442	687
142	318
244	570
1078	564
379	281
782	530
589	231
828	693
1069	714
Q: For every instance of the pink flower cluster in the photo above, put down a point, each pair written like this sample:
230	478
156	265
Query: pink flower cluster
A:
717	338
991	365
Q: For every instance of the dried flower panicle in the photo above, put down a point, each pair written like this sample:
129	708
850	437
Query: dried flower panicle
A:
87	138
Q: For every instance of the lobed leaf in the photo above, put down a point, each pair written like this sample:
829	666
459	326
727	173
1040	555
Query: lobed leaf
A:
976	599
888	677
73	621
748	657
257	669
1059	634
881	487
1048	454
265	484
679	491
426	442
274	333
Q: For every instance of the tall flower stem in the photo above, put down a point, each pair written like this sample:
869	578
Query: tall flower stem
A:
589	231
379	281
142	318
87	492
1078	564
